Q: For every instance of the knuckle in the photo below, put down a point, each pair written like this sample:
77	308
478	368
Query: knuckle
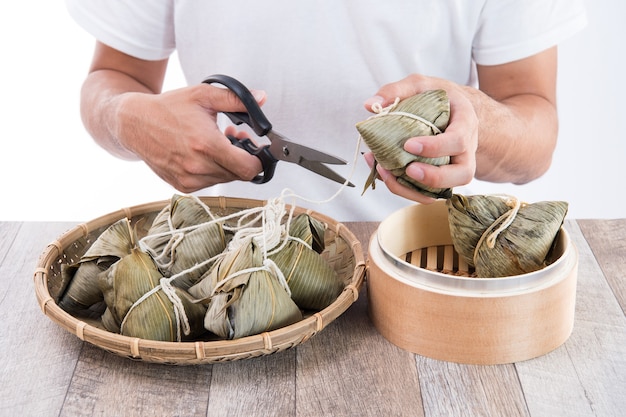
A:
248	172
187	184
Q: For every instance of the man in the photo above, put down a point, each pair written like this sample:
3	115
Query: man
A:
312	64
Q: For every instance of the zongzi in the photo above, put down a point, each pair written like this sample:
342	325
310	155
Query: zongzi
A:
183	240
139	306
245	295
500	236
313	283
385	133
82	290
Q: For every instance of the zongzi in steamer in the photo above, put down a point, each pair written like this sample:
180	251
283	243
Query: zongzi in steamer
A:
245	295
424	114
501	236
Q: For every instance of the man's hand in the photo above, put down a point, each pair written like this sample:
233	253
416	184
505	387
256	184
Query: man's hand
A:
176	135
459	141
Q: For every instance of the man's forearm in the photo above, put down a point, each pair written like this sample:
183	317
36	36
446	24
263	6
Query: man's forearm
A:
517	137
102	97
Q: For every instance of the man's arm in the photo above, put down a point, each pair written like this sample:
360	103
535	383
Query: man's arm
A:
518	119
112	74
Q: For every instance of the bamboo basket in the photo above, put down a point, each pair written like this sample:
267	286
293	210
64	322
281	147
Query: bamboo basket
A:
423	298
343	252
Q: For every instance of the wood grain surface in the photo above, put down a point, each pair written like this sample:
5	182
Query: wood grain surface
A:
348	369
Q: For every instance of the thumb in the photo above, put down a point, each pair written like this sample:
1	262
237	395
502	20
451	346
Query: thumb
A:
407	87
219	99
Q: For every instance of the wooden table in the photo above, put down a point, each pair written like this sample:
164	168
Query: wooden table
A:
346	370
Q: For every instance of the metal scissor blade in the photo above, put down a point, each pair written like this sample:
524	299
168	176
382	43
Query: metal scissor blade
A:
286	150
324	171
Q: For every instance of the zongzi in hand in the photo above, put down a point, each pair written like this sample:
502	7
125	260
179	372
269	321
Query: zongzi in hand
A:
385	133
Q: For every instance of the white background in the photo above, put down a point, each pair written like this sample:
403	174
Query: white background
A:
51	170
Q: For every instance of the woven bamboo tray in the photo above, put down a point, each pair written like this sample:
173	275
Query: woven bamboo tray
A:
423	298
343	252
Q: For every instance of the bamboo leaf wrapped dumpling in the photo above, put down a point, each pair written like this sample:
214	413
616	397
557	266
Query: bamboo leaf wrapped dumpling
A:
502	236
245	295
469	217
424	114
138	304
82	290
182	211
310	230
183	239
313	283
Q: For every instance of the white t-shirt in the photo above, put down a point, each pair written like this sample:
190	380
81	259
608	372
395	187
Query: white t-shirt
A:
320	60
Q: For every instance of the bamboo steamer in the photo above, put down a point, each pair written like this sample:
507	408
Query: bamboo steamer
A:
422	299
343	252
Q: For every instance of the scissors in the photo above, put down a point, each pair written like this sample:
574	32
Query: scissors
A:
280	148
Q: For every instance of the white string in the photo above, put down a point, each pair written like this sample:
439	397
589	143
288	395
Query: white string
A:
388	111
268	265
490	235
510	216
378	108
179	310
170	247
289	193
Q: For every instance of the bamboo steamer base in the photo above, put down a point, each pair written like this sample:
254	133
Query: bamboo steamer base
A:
456	318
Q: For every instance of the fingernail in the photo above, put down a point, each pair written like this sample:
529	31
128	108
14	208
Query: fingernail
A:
382	173
259	95
415	172
374	100
413	146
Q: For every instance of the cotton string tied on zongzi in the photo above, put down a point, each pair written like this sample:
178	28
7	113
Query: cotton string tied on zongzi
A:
501	236
490	236
179	310
381	111
269	234
169	250
508	218
268	265
167	255
267	237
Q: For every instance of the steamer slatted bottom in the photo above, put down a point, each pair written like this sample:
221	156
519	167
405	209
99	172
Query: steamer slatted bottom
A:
425	299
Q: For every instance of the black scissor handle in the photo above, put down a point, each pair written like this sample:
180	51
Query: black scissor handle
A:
268	162
254	116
